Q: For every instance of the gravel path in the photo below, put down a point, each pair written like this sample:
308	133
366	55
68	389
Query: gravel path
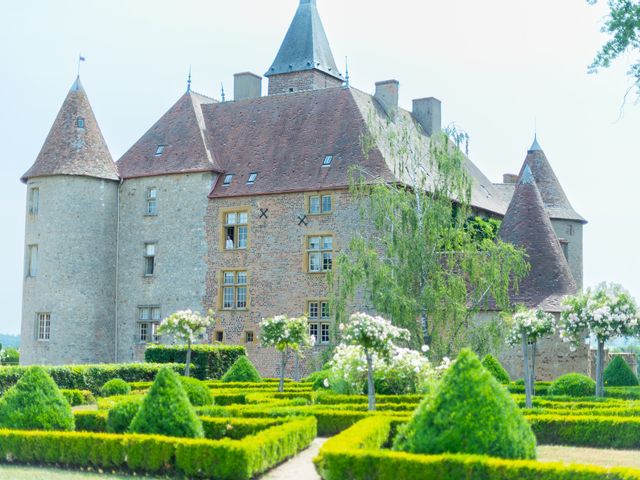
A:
299	467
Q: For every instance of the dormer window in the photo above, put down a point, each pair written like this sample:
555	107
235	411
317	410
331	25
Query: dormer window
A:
327	161
252	178
227	180
160	150
80	122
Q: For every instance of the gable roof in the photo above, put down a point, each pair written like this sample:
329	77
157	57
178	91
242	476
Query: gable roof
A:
305	47
182	130
70	150
526	224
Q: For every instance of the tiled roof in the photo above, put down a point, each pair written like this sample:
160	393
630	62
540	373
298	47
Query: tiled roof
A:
305	47
182	132
73	149
527	225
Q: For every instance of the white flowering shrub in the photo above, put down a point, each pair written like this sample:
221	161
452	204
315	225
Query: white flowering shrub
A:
534	323
374	334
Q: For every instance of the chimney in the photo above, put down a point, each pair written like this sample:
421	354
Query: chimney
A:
387	95
428	113
510	178
246	85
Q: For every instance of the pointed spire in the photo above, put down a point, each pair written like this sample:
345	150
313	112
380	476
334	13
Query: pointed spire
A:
222	94
527	225
535	147
75	145
346	72
189	81
305	47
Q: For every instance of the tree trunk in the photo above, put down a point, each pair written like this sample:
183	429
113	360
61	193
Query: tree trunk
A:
187	367
371	387
600	370
283	362
296	367
534	349
527	374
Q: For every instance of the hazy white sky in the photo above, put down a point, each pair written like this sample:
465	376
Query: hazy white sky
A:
495	64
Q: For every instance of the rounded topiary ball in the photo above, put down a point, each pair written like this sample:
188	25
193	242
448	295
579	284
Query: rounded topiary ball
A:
496	369
619	374
166	410
573	385
197	391
469	412
35	403
116	386
242	370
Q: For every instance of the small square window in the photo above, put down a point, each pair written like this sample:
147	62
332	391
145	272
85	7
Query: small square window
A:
152	202
324	333
34	200
149	259
80	122
327	161
248	337
252	178
326	203
43	327
313	331
219	335
160	150
314	204
227	180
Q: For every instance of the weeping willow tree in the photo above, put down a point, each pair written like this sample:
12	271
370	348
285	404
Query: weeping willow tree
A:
418	262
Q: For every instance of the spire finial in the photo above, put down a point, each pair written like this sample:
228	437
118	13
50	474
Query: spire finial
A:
346	72
527	176
222	95
80	60
189	81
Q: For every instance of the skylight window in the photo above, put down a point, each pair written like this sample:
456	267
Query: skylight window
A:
252	178
327	161
227	180
80	122
160	150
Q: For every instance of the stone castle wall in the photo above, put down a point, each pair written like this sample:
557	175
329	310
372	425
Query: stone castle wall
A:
571	232
301	81
75	230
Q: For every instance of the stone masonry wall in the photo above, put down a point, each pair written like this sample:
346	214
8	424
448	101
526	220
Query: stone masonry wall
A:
75	230
571	232
301	81
178	230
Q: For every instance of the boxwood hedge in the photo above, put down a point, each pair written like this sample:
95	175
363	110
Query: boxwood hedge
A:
209	361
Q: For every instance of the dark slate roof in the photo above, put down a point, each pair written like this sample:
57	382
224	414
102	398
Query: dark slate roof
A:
69	150
526	224
305	47
183	132
553	196
285	138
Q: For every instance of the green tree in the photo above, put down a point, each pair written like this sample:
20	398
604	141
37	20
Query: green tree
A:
623	26
420	265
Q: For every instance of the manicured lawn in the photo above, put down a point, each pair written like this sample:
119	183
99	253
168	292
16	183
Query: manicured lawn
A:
590	456
33	473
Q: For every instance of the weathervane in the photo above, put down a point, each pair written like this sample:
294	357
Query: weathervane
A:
222	93
80	60
189	81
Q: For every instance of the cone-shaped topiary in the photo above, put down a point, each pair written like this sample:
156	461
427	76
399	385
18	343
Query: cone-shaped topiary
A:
166	410
242	370
619	374
469	412
495	368
573	385
197	391
35	403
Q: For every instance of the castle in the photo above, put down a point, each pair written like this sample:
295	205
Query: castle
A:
239	206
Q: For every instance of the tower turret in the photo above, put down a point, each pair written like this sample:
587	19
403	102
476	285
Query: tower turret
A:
68	308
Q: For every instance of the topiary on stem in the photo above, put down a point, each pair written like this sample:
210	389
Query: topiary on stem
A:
242	370
35	403
495	368
470	412
619	374
166	410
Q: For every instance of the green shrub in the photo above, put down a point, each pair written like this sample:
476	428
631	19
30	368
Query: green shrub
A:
496	369
166	410
209	361
619	374
90	421
197	391
9	356
122	414
470	412
242	370
115	386
318	379
78	397
35	403
573	385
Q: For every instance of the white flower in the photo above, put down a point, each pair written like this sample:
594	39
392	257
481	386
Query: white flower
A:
326	383
424	348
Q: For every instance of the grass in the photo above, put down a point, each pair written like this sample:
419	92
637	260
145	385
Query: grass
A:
11	472
590	456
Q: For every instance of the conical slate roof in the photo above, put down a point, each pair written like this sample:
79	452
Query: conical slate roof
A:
527	225
182	133
553	196
305	47
75	145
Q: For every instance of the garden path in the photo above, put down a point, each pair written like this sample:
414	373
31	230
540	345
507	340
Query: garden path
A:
299	467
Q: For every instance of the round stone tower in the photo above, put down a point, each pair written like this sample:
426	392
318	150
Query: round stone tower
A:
68	309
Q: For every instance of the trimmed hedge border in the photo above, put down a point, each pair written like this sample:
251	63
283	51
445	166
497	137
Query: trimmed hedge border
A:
356	454
209	361
218	459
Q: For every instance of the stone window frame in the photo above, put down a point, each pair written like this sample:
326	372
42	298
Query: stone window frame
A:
32	260
320	196
319	322
151	202
224	212
322	250
150	264
150	324
218	336
249	336
226	285
34	200
43	326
